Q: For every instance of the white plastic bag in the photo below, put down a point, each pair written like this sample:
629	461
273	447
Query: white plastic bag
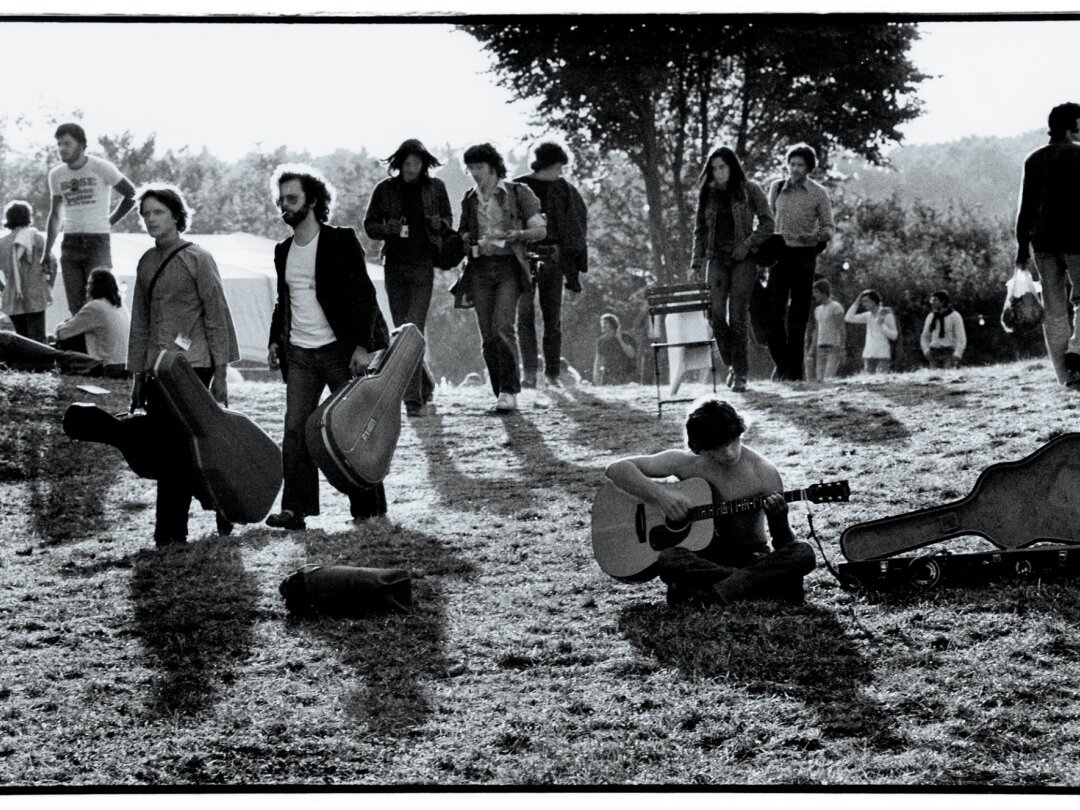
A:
1023	302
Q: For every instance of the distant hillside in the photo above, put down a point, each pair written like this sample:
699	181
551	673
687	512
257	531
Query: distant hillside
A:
977	173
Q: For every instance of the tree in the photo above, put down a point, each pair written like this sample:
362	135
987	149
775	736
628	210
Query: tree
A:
661	91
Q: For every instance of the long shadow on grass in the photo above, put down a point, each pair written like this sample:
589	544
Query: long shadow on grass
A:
802	653
67	479
396	657
830	413
614	427
943	392
543	469
445	454
194	611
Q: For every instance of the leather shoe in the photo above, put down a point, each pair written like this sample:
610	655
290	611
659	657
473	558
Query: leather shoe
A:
739	385
528	381
552	381
414	409
224	525
286	519
1072	361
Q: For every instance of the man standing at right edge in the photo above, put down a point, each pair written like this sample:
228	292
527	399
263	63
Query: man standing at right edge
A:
804	218
1049	221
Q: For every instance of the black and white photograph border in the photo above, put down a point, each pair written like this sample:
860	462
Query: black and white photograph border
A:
520	664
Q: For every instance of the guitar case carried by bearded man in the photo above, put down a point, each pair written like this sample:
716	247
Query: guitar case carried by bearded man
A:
352	436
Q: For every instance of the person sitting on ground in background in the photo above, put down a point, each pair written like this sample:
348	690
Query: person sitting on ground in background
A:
943	338
881	330
103	324
738	563
826	339
25	275
616	353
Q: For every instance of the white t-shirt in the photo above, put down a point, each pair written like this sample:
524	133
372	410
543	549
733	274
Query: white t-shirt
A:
87	194
310	329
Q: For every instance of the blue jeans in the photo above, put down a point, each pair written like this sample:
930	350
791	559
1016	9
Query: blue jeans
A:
549	287
495	295
310	371
1059	272
79	254
408	288
730	284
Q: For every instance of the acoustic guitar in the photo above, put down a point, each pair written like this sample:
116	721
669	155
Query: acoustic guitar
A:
628	534
239	465
1013	504
353	434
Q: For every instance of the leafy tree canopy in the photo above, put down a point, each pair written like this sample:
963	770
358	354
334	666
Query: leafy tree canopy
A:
663	91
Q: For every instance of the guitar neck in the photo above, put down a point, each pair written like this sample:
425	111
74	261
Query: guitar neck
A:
741	505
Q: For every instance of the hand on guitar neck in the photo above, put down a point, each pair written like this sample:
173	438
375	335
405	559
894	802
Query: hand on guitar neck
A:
629	533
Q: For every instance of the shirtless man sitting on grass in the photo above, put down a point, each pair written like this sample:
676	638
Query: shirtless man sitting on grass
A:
738	563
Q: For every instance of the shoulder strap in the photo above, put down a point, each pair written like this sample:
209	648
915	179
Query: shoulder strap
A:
157	273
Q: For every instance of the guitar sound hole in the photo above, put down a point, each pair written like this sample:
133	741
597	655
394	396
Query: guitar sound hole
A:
676	527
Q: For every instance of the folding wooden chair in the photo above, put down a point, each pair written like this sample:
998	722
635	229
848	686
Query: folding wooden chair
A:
677	300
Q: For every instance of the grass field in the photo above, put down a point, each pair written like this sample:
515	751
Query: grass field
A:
522	663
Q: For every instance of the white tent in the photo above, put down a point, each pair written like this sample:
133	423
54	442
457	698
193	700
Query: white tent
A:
246	263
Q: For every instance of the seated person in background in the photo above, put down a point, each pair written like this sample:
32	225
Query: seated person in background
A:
826	339
881	330
103	323
943	338
615	354
737	564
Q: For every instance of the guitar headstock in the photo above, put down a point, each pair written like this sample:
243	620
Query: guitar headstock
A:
828	493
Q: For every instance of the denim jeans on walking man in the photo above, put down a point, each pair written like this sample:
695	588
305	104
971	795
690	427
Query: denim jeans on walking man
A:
408	289
790	290
549	287
309	372
1055	269
496	289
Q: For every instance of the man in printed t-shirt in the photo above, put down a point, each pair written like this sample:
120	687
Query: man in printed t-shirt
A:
81	192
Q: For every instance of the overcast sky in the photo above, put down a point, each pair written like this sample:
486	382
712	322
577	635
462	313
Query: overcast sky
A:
319	87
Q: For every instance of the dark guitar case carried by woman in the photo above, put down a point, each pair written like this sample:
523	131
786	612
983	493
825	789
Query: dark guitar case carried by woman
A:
238	463
353	434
